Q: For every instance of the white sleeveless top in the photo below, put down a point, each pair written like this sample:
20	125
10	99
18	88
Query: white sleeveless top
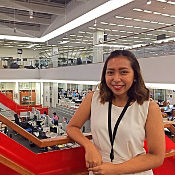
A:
129	140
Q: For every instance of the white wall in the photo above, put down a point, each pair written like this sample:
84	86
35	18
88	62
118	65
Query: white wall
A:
155	70
10	74
79	72
158	69
12	52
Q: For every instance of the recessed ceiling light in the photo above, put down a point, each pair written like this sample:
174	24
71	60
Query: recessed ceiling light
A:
137	19
170	2
128	18
161	0
148	2
156	13
139	10
112	24
165	14
147	11
104	23
119	17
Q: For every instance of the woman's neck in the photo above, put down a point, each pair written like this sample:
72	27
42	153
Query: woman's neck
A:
120	100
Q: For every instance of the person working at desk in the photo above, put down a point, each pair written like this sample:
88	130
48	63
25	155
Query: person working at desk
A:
55	119
44	114
122	117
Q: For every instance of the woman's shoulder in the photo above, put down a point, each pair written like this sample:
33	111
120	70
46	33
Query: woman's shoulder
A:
93	93
153	105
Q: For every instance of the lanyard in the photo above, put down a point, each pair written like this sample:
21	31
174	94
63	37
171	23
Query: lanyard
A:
112	136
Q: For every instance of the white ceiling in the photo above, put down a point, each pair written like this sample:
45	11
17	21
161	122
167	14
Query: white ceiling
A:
135	25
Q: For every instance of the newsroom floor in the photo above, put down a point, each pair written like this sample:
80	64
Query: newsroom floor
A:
23	141
34	148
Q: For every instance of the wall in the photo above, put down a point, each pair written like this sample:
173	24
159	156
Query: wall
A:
12	52
155	70
10	74
158	69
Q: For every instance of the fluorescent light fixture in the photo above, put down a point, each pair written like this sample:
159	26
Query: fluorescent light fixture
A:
139	10
87	17
32	45
170	2
63	42
108	45
161	0
148	2
19	38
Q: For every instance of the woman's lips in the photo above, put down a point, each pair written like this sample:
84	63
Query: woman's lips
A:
118	87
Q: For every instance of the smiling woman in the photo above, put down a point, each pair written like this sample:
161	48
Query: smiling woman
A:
122	117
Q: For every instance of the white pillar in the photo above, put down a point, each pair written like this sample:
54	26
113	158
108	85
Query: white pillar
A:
46	94
37	90
55	56
41	93
55	95
80	87
98	38
16	93
65	86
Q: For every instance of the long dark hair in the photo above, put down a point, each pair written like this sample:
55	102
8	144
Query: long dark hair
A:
137	92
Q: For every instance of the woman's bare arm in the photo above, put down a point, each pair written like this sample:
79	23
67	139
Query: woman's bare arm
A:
156	148
82	114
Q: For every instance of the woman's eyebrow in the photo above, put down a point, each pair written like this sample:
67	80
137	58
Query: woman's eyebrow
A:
120	68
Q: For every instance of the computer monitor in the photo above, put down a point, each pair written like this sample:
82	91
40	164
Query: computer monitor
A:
170	106
33	110
165	108
38	115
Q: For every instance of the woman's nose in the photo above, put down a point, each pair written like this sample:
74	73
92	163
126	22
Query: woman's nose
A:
116	77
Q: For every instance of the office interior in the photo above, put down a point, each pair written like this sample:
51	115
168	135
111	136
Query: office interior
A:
50	61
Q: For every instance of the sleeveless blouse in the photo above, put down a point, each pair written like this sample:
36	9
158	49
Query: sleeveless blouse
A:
129	140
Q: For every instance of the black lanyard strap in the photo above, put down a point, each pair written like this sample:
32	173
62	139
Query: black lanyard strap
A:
112	136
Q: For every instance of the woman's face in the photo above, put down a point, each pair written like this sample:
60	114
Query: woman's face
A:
119	75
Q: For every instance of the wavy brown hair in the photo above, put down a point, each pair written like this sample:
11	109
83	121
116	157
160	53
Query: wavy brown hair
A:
137	92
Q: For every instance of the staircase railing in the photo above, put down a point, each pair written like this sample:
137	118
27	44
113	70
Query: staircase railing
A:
77	153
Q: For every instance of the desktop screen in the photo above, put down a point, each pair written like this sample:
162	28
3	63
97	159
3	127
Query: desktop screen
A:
165	108
170	106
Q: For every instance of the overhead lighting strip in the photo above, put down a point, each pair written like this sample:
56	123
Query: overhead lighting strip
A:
156	13
87	17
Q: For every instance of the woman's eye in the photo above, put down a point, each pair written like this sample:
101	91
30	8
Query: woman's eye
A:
109	72
124	72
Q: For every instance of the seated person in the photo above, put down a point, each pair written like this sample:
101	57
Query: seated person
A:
164	115
17	119
44	114
55	119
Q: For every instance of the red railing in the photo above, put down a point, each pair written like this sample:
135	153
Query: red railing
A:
19	108
60	162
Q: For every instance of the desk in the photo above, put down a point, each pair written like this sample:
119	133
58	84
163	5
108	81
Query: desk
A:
24	118
168	124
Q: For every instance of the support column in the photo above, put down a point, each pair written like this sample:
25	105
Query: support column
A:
55	56
41	94
37	90
80	87
98	37
55	95
16	93
46	94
